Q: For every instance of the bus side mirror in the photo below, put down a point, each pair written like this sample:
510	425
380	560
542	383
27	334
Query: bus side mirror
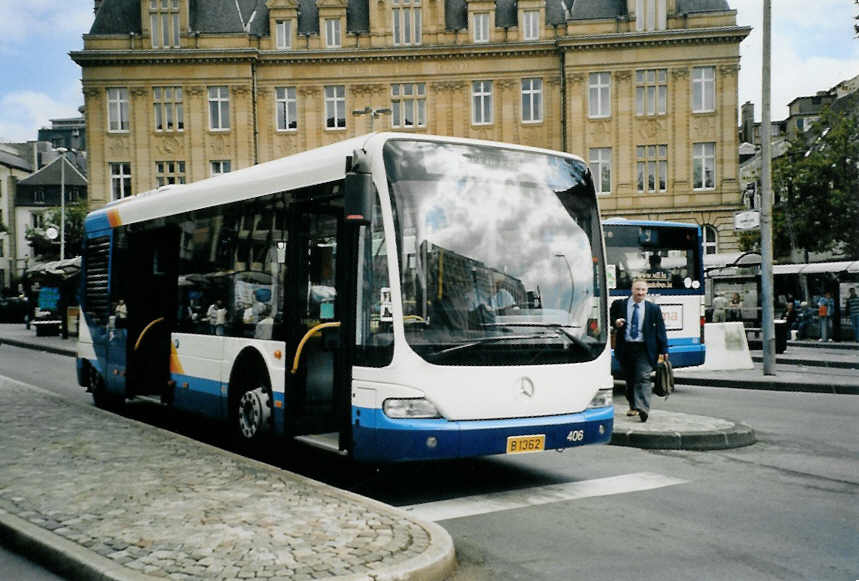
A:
359	192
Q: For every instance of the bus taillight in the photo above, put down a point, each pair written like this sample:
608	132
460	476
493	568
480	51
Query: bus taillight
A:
703	322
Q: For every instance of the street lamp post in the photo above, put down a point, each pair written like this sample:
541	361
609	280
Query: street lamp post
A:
63	151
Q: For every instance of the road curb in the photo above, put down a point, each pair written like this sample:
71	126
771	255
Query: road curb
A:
36	346
810	362
737	436
764	384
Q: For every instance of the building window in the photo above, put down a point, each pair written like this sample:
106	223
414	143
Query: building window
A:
120	180
37	220
600	161
650	15
332	33
39	197
531	25
651	91
169	172
481	102
408	105
703	89
283	34
711	240
406	18
285	108
217	167
599	95
532	100
164	23
481	27
2	253
703	166
335	107
652	166
167	102
219	108
117	109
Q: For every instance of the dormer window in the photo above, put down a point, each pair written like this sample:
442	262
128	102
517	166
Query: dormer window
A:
531	25
164	23
406	20
481	27
650	15
283	34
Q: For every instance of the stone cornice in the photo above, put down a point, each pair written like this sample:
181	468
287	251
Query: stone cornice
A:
717	35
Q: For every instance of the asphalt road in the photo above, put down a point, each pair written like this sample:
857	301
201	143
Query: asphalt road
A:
784	508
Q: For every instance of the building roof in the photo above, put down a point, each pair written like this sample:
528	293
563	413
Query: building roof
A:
50	175
11	160
597	9
688	6
117	17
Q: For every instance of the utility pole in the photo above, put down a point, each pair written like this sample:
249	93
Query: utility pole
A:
767	311
62	151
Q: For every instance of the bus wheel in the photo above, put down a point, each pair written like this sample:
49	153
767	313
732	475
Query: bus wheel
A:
253	414
100	395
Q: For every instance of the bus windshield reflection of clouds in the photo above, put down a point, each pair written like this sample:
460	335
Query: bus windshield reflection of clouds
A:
497	252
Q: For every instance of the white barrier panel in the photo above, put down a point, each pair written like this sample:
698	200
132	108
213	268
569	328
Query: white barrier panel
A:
727	347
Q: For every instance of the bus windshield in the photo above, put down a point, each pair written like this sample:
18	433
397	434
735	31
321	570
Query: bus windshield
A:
499	254
667	257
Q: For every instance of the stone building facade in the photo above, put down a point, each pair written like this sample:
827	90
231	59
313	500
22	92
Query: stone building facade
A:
645	90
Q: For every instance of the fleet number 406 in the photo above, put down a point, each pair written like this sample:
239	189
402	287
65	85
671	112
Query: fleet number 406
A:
576	436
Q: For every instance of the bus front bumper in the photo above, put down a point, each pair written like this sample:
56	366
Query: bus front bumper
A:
378	438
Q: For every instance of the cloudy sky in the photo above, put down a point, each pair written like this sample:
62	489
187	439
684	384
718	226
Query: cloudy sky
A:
813	49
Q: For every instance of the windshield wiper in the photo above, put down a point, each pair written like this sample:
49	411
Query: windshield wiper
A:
483	341
558	327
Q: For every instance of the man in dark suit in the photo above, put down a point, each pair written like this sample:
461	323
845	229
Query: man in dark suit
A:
640	342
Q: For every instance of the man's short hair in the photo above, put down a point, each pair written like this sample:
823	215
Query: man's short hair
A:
641	280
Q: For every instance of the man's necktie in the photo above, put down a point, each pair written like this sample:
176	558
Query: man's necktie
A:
633	329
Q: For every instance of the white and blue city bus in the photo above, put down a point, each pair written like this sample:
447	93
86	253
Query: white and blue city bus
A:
669	257
391	297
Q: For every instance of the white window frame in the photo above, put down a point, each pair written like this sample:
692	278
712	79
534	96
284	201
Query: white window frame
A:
531	25
599	159
168	114
480	23
599	95
168	172
335	102
651	92
219	166
283	34
406	22
333	37
704	166
285	109
120	179
710	246
117	110
219	108
532	100
703	89
408	100
164	30
651	168
481	103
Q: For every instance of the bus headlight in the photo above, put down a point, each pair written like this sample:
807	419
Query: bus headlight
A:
602	399
417	407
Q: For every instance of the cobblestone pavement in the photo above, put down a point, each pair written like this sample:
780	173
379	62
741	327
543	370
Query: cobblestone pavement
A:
167	506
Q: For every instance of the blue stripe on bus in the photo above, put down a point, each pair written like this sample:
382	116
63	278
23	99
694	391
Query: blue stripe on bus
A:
96	224
379	438
201	396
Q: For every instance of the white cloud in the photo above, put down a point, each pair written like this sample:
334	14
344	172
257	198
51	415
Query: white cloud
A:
24	112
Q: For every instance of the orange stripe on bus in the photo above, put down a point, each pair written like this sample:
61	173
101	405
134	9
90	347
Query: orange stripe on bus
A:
113	218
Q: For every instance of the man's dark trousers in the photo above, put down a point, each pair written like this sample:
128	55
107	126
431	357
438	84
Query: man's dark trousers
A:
638	359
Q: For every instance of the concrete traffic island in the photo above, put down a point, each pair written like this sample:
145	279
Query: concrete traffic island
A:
677	431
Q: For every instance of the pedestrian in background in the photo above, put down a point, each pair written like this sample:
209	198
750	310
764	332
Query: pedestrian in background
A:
853	311
825	307
720	308
640	343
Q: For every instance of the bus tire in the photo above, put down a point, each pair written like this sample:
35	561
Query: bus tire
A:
250	399
100	396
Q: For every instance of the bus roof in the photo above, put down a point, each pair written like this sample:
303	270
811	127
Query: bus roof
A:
315	166
660	223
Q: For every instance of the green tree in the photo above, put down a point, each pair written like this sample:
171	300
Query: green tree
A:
816	185
47	249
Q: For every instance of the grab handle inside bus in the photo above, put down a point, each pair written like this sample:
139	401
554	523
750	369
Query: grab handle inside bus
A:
310	332
145	330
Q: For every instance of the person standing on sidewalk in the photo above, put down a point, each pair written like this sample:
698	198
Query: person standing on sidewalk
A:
640	343
853	311
825	308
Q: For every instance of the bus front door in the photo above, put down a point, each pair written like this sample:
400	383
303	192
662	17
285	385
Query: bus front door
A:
316	396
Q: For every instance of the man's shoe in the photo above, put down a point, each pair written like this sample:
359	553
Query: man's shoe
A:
643	415
631	412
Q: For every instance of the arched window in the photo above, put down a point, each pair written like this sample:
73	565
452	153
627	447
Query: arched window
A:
711	240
